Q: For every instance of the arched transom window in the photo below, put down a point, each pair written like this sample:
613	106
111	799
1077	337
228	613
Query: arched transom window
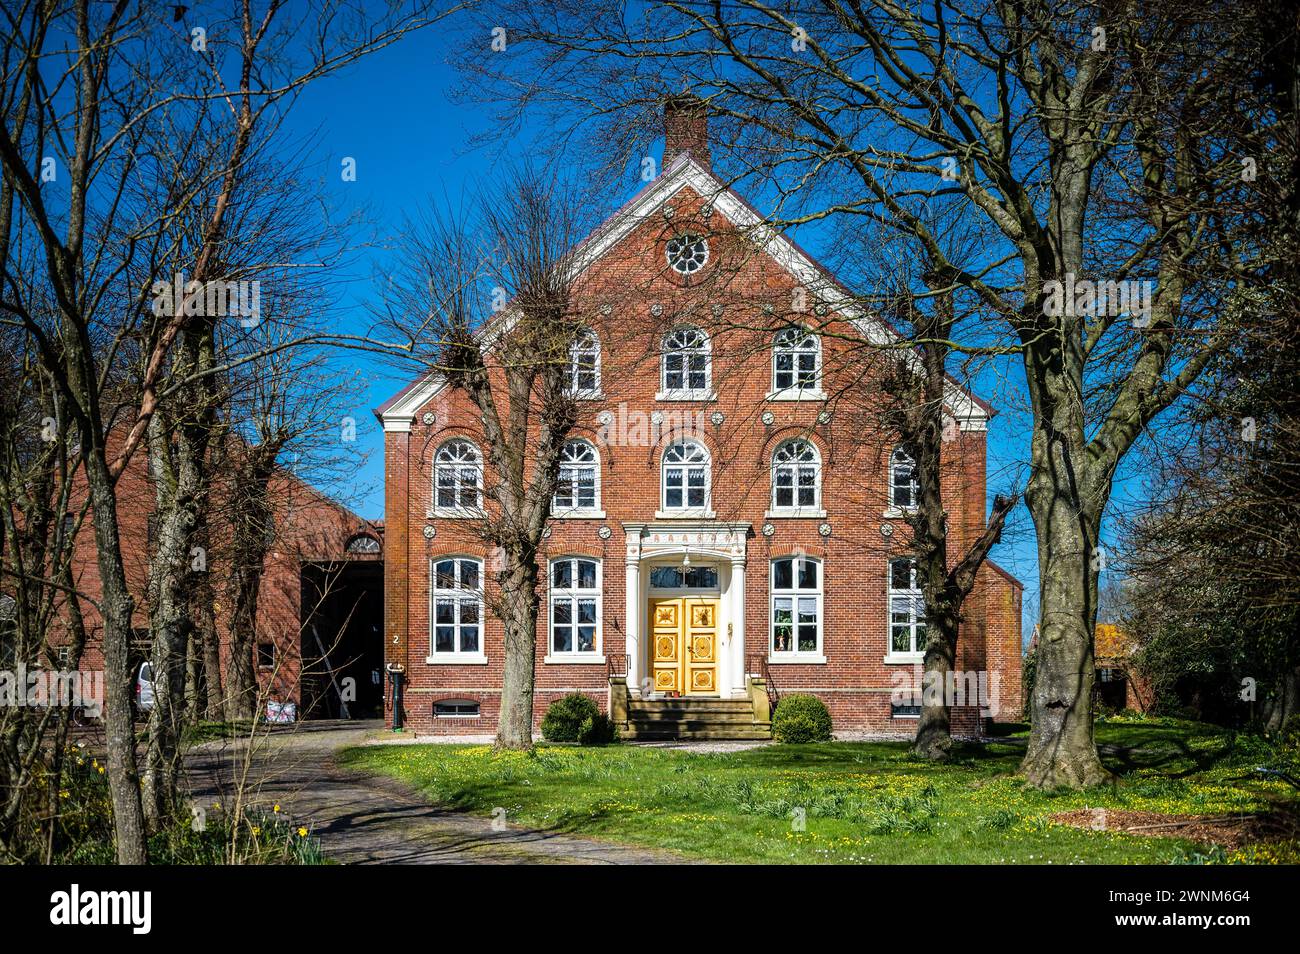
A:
685	477
796	477
687	366
578	487
796	361
457	477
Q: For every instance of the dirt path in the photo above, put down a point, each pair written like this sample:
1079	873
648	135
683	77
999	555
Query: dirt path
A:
368	819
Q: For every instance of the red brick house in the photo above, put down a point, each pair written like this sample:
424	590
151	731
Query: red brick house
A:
729	527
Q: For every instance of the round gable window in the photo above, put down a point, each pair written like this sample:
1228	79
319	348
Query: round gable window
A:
687	254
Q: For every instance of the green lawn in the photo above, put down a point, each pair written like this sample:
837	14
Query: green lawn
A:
865	802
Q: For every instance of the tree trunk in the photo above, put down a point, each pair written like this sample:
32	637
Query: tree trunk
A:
241	680
116	608
1062	750
518	610
934	730
170	612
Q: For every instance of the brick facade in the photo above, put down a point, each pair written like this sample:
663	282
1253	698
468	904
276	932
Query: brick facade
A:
631	299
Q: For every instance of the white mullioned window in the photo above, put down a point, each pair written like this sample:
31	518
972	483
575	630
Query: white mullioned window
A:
904	488
686	362
685	477
456	607
796	360
906	609
457	476
796	477
584	365
578	486
796	606
575	607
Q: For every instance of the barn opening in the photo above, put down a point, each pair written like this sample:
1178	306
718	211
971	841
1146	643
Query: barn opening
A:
342	634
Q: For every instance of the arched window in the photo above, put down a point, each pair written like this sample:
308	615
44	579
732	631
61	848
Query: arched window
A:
584	365
575	607
578	487
903	485
457	477
456	608
796	477
796	607
906	610
687	365
685	477
796	361
362	543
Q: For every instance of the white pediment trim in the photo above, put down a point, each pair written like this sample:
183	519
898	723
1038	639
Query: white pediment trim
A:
684	173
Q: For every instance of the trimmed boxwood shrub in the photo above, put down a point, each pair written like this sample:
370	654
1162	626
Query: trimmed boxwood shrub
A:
801	718
564	718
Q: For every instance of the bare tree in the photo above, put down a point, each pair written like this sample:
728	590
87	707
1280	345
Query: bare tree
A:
141	86
485	300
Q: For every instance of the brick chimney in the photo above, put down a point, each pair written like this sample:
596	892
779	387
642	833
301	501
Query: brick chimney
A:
686	129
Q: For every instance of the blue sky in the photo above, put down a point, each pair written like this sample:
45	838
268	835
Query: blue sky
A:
395	115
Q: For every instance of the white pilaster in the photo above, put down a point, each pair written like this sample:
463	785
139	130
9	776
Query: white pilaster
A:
737	594
632	602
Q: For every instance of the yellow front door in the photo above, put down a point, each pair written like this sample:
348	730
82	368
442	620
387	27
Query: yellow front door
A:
684	641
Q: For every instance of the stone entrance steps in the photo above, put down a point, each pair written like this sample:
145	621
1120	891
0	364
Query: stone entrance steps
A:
693	718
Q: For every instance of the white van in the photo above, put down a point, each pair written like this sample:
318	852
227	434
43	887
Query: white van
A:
144	687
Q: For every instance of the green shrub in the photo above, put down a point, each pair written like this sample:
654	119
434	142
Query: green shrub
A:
801	718
597	730
565	717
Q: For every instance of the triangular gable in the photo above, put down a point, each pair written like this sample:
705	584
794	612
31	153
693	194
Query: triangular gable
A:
970	412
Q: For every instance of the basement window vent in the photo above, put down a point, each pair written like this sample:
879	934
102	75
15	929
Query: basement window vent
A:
455	709
899	710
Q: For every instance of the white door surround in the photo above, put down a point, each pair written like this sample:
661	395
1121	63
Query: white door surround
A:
712	543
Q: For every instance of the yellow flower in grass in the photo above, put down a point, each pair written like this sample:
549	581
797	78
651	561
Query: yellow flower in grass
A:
100	769
302	832
276	809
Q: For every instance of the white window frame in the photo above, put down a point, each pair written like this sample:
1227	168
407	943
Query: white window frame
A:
704	348
706	509
898	458
460	596
795	509
911	602
688	239
572	594
796	391
585	344
794	593
457	467
569	466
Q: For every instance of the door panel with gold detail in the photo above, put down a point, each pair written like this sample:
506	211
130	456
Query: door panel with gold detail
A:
684	645
702	646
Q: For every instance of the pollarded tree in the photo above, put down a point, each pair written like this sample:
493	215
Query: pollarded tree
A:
485	300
